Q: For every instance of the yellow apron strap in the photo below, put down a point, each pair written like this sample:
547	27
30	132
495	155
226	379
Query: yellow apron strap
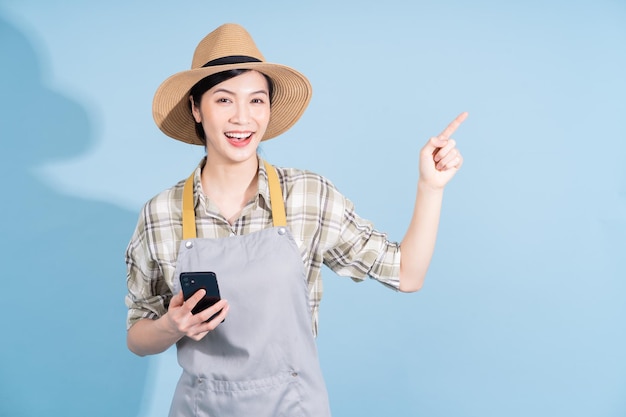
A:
276	200
189	211
276	196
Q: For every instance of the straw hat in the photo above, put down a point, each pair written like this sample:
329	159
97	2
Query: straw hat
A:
229	46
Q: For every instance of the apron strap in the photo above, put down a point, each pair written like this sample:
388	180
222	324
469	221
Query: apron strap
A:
276	200
276	196
189	211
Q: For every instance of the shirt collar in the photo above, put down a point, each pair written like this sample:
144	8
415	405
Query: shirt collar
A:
263	192
264	189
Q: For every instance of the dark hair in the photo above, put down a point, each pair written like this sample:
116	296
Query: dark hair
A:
211	81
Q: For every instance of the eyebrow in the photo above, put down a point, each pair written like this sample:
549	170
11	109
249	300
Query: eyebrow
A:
223	90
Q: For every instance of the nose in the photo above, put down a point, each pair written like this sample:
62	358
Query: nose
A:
241	115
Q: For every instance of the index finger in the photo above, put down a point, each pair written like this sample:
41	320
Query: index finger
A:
195	299
452	127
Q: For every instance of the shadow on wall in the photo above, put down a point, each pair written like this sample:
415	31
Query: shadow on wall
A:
63	350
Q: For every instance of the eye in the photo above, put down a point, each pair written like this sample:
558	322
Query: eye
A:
258	101
222	100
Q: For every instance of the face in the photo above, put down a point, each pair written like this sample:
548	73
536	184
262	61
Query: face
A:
234	115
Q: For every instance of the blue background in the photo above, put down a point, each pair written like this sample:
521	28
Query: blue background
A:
523	312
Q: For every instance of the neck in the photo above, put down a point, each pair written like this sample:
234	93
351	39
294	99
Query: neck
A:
230	186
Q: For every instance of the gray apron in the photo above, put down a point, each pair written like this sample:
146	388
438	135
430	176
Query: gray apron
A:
262	360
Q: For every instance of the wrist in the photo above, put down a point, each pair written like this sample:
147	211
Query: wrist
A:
424	186
167	327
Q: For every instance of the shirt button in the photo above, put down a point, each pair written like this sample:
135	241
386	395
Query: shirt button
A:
188	244
232	234
282	231
294	374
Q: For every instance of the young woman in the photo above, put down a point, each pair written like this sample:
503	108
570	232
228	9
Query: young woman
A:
264	231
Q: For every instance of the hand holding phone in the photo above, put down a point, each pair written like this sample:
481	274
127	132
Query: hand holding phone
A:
190	282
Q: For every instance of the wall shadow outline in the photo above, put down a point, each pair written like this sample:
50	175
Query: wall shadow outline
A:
63	348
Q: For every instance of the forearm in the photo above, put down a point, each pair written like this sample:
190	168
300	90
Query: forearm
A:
418	244
149	337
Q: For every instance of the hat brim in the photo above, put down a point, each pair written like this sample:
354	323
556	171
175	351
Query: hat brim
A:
170	106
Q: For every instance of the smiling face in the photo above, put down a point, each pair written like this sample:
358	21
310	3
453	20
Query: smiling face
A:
234	115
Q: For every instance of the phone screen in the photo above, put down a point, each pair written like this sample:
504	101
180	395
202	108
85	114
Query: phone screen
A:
191	282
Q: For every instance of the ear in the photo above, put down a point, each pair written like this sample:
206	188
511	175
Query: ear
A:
195	111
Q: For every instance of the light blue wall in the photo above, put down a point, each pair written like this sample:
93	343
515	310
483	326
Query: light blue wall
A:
523	312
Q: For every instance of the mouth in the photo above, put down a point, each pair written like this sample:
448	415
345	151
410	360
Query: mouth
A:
239	139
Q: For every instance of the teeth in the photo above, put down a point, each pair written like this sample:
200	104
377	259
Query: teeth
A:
238	135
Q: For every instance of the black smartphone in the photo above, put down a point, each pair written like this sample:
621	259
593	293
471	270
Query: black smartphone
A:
190	282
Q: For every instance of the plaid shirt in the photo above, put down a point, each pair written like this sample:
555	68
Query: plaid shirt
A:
322	222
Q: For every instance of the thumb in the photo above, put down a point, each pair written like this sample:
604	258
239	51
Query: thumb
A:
177	300
433	144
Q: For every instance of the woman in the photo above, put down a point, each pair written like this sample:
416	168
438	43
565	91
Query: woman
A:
264	231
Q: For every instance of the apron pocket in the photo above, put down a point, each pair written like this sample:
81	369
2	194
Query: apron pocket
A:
275	396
